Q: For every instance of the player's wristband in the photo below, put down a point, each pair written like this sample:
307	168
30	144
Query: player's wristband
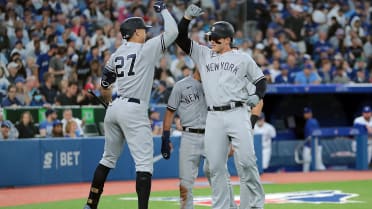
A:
166	135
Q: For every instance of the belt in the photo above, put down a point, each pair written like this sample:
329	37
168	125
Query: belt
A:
134	100
194	130
230	106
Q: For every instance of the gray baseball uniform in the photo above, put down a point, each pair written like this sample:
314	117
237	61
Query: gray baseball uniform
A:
225	78
126	119
187	98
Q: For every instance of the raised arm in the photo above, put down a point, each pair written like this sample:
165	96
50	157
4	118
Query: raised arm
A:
183	41
170	25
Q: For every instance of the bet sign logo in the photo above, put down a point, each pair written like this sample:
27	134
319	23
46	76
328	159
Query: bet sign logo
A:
61	159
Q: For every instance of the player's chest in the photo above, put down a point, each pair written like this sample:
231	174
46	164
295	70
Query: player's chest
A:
192	94
223	66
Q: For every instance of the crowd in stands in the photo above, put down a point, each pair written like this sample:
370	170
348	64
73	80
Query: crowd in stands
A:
53	51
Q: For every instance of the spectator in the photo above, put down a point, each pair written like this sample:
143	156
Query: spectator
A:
57	130
340	76
13	130
56	65
43	62
11	100
4	82
70	97
364	123
5	133
161	94
283	77
310	124
307	76
12	71
47	90
22	91
267	132
46	126
71	130
25	126
67	116
156	122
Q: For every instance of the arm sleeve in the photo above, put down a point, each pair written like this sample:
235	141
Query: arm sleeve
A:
108	74
170	29
260	87
183	40
174	98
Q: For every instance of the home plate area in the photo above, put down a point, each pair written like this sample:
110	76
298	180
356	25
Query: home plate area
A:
308	197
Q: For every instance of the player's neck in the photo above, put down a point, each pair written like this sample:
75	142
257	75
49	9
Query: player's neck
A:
224	50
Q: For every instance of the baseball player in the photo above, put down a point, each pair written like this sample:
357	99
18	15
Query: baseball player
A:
187	98
132	67
225	74
268	132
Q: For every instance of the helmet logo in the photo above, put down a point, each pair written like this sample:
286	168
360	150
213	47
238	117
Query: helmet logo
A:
213	29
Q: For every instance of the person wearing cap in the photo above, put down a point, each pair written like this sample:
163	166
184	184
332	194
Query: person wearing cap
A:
156	122
364	123
12	71
307	76
267	132
46	126
283	77
5	132
43	61
57	130
26	126
13	130
311	124
161	94
11	99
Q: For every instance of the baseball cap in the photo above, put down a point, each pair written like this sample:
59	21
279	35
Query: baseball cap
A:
366	109
308	66
307	110
266	72
6	123
49	111
19	79
12	65
57	122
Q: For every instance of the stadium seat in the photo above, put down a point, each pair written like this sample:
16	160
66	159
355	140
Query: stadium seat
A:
91	130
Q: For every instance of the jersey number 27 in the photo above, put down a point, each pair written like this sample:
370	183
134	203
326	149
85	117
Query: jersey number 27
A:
119	64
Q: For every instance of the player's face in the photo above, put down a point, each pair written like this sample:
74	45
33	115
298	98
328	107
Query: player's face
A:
141	34
219	45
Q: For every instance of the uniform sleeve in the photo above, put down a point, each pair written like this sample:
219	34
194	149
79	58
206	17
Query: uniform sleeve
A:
254	73
108	73
161	42
175	98
199	53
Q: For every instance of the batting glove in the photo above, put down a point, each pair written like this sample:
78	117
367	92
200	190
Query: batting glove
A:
159	6
193	11
165	145
253	100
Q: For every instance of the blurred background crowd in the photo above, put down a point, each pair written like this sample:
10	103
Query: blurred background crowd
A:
53	51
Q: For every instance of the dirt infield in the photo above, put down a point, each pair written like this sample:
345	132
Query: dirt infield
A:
38	194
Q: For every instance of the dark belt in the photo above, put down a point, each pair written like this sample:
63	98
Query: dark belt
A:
230	106
194	130
134	100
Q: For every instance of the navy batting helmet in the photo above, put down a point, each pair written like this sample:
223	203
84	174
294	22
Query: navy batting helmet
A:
221	29
129	26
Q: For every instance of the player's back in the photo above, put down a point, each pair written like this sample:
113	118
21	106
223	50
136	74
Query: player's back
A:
134	69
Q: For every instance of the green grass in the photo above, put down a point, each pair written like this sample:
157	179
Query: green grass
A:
362	188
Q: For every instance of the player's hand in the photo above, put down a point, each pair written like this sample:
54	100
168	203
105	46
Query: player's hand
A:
165	145
159	5
193	11
253	100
